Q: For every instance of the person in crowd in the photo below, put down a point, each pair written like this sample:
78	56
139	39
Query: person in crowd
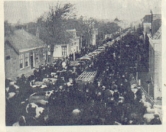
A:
21	121
155	120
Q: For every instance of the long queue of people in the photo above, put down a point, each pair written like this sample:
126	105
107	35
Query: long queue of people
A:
109	100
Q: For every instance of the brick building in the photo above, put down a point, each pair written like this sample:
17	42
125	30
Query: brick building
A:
23	53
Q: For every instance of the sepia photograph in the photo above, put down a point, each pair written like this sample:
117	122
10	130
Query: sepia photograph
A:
83	63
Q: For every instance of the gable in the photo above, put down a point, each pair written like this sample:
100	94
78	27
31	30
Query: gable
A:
8	45
22	40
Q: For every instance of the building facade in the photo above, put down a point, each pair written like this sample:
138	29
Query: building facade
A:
23	53
155	63
71	46
152	33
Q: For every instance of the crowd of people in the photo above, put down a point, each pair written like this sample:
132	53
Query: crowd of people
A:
110	100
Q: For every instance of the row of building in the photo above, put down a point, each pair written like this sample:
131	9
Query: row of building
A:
24	51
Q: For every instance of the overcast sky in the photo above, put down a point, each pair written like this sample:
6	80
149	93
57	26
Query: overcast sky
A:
130	10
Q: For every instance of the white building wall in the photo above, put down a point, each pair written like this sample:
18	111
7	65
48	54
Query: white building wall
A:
74	45
57	51
94	39
156	66
147	28
158	70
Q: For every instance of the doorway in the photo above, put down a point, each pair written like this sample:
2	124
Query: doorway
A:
31	59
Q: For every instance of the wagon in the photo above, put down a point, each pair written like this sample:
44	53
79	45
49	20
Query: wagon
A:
86	77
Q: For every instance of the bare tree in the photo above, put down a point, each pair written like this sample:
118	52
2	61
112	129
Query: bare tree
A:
55	21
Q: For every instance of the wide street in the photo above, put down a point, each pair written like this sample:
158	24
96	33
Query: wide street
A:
83	63
54	96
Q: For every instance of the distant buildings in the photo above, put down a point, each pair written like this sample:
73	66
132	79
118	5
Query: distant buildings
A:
23	53
92	32
122	24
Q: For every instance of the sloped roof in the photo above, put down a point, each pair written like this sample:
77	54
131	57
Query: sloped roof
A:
156	16
148	18
22	40
64	38
157	35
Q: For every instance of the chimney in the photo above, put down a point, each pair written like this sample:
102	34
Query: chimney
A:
37	32
151	15
151	22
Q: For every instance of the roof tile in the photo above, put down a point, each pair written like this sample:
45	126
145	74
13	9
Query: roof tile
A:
22	40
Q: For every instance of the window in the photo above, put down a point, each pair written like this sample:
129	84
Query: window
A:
26	59
37	57
7	57
21	59
64	51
